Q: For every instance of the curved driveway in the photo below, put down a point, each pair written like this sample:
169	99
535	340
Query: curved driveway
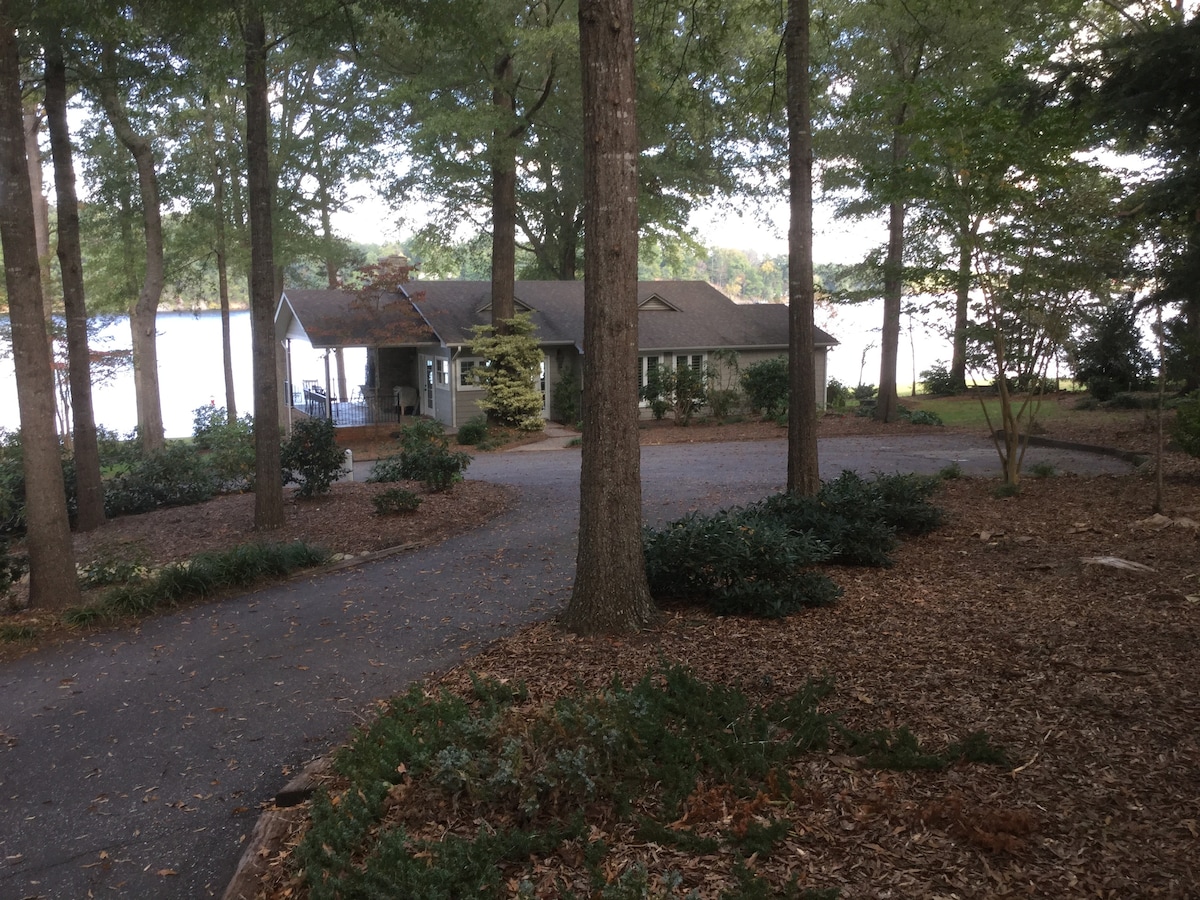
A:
132	764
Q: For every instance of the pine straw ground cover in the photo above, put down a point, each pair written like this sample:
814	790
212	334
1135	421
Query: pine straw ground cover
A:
1086	676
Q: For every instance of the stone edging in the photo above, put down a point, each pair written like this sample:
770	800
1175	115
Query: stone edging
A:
275	822
1129	456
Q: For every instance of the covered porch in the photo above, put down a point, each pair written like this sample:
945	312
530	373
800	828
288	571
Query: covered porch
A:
352	386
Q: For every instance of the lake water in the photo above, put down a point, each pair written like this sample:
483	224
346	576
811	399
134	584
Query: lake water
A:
190	371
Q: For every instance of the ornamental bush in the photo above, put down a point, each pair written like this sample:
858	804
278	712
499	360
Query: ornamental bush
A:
511	374
836	394
228	446
395	501
938	381
311	458
425	456
766	386
1186	430
176	475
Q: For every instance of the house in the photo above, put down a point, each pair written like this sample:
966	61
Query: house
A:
418	338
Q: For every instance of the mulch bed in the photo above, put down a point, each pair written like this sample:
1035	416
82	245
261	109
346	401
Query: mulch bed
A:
1084	674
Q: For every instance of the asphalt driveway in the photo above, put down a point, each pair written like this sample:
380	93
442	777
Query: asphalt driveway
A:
133	763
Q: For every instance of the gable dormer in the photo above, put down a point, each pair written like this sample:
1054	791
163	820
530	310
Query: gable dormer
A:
518	306
656	302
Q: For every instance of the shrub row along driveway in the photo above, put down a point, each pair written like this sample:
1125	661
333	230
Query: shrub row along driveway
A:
133	763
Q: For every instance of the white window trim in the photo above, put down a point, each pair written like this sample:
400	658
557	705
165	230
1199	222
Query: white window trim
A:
441	368
465	364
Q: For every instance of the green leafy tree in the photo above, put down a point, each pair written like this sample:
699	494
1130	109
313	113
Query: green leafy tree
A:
1149	81
905	135
511	372
133	90
1037	267
1109	356
52	580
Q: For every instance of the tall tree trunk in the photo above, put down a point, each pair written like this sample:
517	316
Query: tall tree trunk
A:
958	356
888	405
331	272
221	251
41	206
968	229
803	471
268	485
610	592
504	201
89	488
52	581
143	316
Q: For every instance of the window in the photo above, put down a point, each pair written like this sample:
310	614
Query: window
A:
465	380
695	362
443	371
646	365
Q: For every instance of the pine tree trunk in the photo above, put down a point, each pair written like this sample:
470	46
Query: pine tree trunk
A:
41	206
268	486
958	357
89	488
610	592
803	471
504	203
888	405
221	251
52	580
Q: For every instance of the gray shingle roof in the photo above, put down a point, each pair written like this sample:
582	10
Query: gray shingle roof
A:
676	315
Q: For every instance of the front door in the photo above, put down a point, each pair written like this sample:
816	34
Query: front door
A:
427	387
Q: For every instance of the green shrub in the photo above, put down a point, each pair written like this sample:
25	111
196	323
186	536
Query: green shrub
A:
766	385
1132	401
199	576
110	568
395	501
738	564
473	432
566	405
117	453
681	389
425	456
950	472
939	382
722	401
920	417
854	533
311	458
1109	356
865	392
11	567
858	519
176	475
229	446
540	774
1042	470
836	394
1186	428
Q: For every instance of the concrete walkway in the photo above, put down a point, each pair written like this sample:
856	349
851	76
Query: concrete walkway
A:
133	764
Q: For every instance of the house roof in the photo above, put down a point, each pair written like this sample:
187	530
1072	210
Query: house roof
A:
674	315
330	318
